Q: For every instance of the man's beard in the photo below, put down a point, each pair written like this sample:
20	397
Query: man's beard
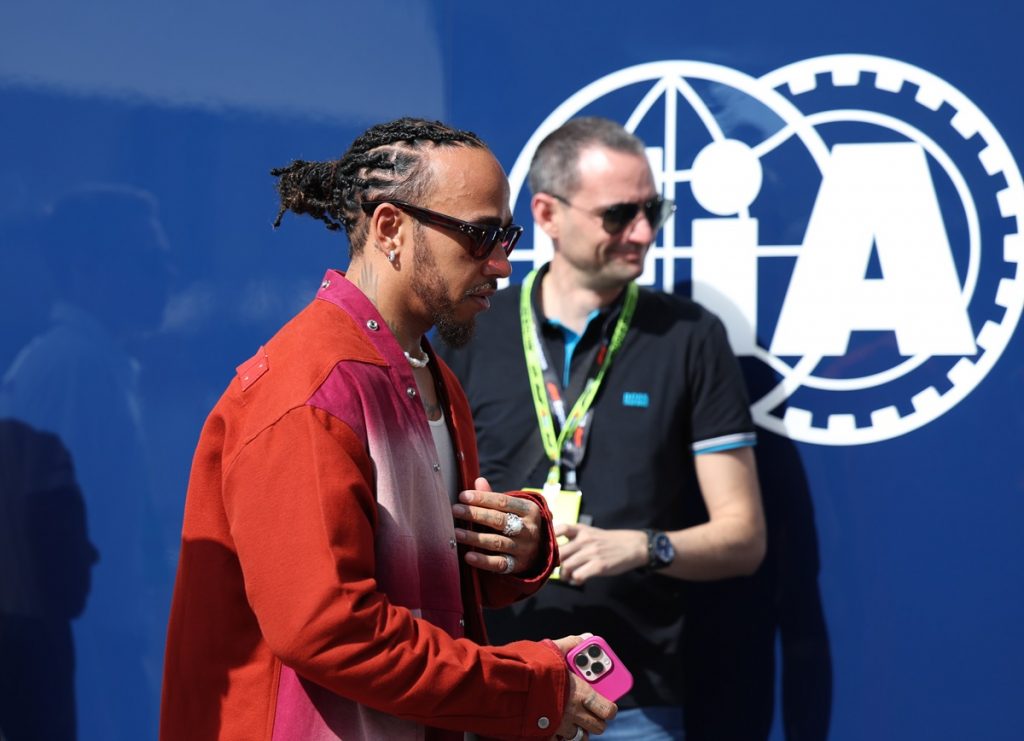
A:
429	285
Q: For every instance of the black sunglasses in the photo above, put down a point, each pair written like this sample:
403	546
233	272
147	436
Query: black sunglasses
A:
485	236
616	218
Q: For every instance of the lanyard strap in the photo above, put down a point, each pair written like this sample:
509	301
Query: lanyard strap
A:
546	399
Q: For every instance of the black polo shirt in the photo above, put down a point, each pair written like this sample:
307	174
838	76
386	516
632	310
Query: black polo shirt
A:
674	389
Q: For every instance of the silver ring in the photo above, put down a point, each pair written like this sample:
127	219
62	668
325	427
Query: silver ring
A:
510	563
578	736
513	525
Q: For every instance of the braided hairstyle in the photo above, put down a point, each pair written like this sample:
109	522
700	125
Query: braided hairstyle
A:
386	161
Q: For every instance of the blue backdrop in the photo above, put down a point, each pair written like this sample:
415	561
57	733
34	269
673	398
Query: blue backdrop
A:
139	268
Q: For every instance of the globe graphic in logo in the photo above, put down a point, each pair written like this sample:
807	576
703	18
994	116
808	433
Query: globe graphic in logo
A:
853	220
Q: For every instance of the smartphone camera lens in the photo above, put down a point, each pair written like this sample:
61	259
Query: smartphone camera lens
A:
594	651
597	667
581	660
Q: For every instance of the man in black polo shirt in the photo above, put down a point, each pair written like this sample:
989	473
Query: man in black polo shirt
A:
628	408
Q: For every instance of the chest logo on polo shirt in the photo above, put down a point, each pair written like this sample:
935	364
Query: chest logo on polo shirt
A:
854	220
639	399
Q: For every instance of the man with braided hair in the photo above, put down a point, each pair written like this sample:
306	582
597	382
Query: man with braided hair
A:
338	544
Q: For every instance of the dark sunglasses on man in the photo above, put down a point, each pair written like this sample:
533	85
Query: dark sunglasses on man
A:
616	218
485	237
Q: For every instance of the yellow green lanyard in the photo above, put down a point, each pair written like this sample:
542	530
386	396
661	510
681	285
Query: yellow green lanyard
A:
542	402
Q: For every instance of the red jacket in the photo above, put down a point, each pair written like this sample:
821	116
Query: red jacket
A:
320	593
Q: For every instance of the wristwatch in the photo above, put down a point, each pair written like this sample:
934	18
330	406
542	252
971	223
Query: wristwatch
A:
660	551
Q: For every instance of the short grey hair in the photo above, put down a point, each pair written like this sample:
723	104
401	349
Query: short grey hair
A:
555	165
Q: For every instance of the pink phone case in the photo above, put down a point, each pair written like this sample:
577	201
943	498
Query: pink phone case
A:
595	663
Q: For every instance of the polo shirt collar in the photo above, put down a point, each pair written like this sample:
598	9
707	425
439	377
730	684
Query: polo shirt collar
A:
607	313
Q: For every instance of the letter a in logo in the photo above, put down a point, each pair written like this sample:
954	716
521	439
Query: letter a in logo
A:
875	197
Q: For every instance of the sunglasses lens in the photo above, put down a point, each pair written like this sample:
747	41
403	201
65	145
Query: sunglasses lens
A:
512	235
658	211
485	243
491	238
618	217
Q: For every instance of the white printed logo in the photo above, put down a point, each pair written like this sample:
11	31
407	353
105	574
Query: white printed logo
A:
854	220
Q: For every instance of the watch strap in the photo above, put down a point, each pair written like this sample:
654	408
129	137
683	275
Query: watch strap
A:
654	561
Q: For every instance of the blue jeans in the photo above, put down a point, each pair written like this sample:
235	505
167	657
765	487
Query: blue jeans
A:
646	724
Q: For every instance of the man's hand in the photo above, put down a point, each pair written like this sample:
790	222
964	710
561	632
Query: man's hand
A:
593	551
586	709
511	541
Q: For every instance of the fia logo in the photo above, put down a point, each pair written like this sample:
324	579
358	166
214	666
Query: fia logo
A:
854	220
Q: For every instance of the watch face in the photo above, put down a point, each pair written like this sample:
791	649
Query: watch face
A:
663	550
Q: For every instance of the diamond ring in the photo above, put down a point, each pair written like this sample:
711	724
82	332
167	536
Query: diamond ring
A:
513	525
